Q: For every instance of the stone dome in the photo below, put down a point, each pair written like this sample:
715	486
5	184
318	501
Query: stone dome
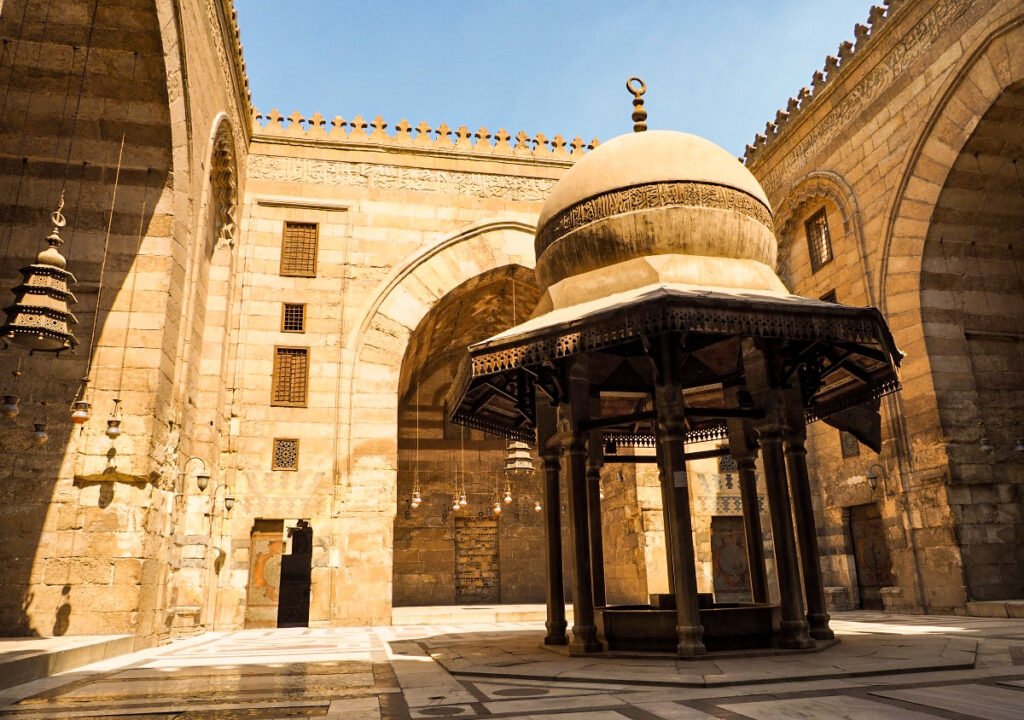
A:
652	193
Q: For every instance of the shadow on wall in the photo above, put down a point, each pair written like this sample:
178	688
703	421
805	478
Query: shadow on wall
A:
46	523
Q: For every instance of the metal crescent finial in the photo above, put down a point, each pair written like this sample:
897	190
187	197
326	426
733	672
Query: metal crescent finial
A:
637	88
57	218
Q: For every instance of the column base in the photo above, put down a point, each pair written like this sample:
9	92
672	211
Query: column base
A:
818	623
584	640
556	634
691	640
794	635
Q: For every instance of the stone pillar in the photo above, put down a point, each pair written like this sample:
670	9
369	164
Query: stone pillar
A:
760	370
572	414
742	447
551	458
795	434
595	460
671	437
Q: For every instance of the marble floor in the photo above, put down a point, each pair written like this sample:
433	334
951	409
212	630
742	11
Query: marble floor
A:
886	666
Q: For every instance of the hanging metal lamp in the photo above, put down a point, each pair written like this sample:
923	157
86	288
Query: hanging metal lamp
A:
80	412
39	436
518	460
39	320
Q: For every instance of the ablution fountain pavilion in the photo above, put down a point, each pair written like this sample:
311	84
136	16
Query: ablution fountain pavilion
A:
662	323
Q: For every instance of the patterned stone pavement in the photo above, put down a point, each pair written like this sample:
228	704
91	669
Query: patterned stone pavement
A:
886	666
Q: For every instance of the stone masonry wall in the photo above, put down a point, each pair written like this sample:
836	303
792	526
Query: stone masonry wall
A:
873	142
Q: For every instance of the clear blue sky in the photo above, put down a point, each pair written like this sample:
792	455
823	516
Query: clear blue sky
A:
717	68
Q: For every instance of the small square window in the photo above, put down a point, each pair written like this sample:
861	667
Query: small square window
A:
849	444
293	318
286	454
819	242
291	377
298	249
830	296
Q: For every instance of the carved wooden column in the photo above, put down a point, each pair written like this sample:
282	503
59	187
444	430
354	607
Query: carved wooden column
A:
595	459
795	434
668	399
759	367
572	414
666	488
742	447
551	457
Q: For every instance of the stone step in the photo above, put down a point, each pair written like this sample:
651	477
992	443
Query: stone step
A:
471	614
996	608
23	660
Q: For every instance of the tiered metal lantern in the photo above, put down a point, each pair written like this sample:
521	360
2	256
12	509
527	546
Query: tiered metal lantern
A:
39	320
518	464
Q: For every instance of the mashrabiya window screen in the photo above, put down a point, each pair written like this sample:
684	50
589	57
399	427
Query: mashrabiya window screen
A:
819	242
298	249
291	377
849	444
286	454
293	318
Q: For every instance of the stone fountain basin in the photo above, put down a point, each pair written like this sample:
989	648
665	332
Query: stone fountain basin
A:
727	626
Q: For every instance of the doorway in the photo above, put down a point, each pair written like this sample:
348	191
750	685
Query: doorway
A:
279	581
870	555
296	573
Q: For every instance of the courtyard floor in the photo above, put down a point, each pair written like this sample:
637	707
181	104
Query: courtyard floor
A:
886	666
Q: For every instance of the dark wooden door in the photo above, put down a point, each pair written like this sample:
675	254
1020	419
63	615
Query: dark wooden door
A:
476	561
870	554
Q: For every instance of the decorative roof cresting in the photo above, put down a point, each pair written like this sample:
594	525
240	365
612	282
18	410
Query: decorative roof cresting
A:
834	67
421	137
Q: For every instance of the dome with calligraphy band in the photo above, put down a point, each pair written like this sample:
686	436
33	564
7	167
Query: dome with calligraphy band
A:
646	195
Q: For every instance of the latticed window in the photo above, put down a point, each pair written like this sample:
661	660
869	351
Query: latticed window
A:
293	318
819	241
298	249
727	464
849	444
286	454
291	376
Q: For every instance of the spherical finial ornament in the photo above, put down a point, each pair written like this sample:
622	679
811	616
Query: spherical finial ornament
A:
637	88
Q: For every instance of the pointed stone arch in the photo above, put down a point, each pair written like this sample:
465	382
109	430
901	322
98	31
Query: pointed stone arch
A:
377	345
815	187
366	473
991	70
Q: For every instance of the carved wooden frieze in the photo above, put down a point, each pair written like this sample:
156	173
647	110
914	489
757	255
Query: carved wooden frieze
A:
391	177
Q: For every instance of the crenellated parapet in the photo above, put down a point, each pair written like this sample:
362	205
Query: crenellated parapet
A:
833	68
424	137
236	47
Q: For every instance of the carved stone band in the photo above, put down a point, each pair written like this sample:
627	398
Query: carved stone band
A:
644	197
